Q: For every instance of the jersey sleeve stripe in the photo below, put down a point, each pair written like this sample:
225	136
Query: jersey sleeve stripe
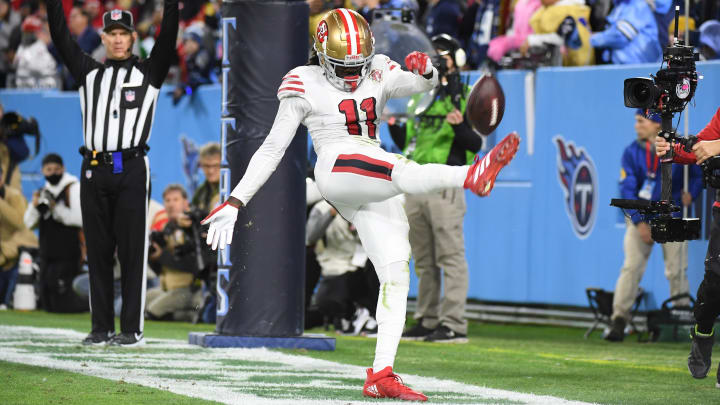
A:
291	77
299	90
393	66
293	82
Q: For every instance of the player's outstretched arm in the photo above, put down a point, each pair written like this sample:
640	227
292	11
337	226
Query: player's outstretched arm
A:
263	163
420	77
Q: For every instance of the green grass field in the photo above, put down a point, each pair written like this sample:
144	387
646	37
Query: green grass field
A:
529	359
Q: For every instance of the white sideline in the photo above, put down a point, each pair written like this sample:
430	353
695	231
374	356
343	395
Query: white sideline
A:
229	378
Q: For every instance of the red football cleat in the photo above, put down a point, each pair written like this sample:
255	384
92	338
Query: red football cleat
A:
386	384
482	173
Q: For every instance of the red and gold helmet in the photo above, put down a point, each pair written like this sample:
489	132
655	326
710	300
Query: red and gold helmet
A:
345	48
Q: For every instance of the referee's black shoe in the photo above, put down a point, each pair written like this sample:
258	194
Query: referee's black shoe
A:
699	360
128	340
98	338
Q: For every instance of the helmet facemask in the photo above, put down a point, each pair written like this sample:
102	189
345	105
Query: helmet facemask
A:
348	74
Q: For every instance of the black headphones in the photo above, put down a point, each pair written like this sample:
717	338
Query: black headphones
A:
446	42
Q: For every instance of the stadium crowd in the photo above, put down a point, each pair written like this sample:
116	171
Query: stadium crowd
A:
503	33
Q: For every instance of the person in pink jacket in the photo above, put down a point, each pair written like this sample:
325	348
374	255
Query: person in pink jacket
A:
499	46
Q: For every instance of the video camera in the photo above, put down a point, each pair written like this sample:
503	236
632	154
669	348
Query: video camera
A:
44	201
667	93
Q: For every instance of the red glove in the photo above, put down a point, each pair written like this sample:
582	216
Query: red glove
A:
418	63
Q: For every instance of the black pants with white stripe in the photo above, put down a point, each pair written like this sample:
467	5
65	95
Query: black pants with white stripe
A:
114	211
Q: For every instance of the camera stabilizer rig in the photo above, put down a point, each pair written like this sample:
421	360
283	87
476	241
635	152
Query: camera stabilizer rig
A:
667	93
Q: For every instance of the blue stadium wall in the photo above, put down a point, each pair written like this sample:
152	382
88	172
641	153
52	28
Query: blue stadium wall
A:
526	243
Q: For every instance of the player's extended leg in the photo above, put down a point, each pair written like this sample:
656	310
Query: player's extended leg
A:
413	178
382	175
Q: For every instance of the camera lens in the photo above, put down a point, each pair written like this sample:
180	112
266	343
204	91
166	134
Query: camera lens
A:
640	93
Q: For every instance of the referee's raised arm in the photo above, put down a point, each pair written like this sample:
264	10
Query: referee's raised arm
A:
161	54
78	62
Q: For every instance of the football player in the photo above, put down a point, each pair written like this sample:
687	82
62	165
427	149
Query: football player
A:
338	96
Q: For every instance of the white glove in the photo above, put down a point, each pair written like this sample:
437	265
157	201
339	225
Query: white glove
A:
222	223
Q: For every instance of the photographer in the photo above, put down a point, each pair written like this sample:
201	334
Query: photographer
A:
13	235
172	255
55	210
13	149
439	134
707	307
639	179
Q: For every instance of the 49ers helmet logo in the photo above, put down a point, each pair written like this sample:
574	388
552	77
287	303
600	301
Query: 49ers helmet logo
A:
322	31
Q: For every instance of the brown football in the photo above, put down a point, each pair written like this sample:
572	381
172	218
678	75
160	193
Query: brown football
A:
485	105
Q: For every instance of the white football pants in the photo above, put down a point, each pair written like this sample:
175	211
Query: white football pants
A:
365	184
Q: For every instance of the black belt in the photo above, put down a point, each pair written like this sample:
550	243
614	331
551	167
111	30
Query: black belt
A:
106	158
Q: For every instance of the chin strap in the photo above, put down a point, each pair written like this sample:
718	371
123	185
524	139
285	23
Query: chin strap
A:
352	81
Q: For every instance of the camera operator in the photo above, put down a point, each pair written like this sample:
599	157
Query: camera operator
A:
13	149
55	210
707	307
639	177
173	256
439	134
13	235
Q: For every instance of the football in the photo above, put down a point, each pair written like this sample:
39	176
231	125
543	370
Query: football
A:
485	105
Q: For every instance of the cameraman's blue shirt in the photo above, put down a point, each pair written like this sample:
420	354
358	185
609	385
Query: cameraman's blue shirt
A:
634	177
631	34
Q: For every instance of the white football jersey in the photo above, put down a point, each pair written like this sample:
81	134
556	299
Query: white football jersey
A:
341	116
332	116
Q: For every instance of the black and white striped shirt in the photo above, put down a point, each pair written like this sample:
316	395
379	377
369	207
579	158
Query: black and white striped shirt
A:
118	98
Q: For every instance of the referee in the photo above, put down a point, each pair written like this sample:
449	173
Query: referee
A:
118	100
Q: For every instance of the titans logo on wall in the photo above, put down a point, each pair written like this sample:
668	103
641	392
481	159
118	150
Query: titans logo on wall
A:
578	179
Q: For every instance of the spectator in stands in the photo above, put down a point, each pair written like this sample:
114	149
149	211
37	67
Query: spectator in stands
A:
94	10
86	36
710	40
562	24
631	35
639	177
173	257
207	195
443	17
13	235
34	65
198	62
348	289
478	26
81	30
501	45
9	21
366	7
55	211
